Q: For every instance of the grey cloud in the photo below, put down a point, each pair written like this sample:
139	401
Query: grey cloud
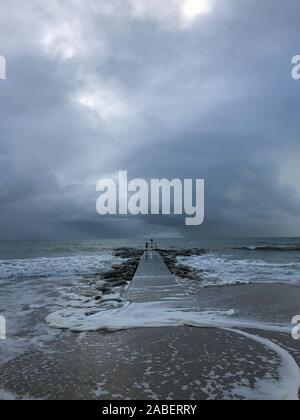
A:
214	100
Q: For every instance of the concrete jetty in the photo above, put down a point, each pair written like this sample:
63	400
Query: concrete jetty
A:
153	280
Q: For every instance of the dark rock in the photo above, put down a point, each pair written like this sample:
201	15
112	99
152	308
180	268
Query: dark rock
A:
180	270
128	253
119	283
119	300
105	290
91	312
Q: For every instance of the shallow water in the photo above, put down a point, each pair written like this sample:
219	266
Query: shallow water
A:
55	281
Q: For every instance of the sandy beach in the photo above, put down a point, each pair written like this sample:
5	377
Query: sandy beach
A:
180	362
161	363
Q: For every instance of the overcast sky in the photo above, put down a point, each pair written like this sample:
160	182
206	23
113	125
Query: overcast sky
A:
161	89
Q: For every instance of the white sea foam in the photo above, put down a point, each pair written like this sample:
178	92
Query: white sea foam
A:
63	286
221	270
271	248
286	388
7	396
10	396
166	314
152	314
56	266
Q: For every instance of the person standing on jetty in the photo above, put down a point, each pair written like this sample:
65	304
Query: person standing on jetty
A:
150	247
146	250
153	245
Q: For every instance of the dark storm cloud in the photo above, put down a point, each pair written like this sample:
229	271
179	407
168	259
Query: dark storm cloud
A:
94	87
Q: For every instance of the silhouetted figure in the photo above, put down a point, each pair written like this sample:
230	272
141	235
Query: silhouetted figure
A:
147	248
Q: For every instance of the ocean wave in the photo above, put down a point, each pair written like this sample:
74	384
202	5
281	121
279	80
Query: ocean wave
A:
79	265
281	248
220	270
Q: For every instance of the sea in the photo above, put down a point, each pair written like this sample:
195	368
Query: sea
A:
255	283
226	262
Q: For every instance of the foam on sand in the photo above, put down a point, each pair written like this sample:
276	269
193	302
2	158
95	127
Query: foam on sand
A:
150	315
7	396
286	388
135	315
168	314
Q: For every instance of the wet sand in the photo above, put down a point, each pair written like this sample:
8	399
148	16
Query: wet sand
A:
179	362
158	363
161	363
267	303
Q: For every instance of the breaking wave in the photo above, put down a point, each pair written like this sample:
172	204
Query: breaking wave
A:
56	266
281	248
222	270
